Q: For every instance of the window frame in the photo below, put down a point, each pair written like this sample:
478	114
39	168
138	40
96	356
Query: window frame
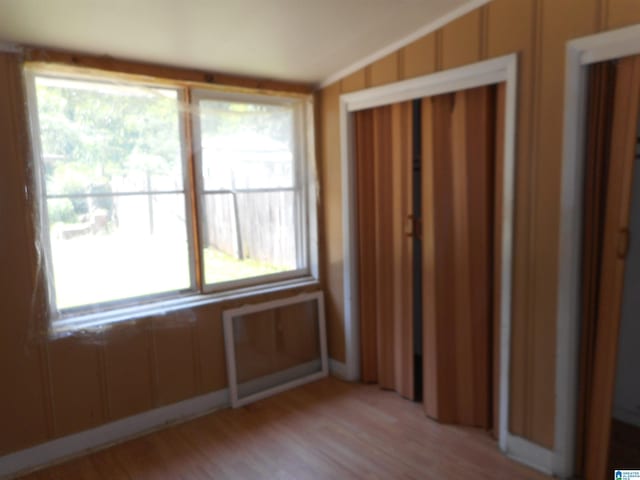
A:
30	74
301	171
198	292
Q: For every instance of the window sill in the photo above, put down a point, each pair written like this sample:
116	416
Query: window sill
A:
95	321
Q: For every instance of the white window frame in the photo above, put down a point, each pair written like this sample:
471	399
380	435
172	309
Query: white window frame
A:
30	74
228	316
99	314
302	168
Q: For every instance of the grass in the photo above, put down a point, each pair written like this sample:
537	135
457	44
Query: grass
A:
220	267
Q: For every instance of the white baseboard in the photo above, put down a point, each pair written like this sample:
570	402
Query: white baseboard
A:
103	436
530	454
338	369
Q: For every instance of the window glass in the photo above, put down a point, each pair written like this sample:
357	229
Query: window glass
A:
246	145
114	190
252	203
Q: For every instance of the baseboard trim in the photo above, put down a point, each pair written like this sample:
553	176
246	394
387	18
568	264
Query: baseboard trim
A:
530	454
338	369
65	448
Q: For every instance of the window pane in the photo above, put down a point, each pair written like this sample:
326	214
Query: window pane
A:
276	346
246	145
103	147
127	246
250	235
100	137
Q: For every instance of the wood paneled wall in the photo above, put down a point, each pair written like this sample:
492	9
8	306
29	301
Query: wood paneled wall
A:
55	388
538	31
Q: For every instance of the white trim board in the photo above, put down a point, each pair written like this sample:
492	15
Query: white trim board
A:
580	54
403	42
286	379
338	369
530	454
65	448
502	69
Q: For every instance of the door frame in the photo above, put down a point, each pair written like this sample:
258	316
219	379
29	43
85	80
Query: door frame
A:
580	53
497	70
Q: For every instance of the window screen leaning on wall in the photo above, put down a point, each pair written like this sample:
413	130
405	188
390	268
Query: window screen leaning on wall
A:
116	176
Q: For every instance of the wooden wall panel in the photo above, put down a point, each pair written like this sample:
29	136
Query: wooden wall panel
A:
355	81
23	410
211	366
512	27
621	13
419	57
174	357
129	371
461	42
560	22
331	225
76	373
385	70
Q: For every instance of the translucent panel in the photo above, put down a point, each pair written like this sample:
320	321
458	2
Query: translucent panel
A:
246	145
276	346
117	247
98	137
250	234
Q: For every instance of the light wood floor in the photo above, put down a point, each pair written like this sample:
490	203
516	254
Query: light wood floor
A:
325	430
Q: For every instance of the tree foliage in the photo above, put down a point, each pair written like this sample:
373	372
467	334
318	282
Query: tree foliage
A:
88	135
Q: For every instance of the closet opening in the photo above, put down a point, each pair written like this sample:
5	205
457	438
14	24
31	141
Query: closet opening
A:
608	433
429	178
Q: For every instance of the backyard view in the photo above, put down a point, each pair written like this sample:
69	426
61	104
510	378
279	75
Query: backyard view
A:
115	191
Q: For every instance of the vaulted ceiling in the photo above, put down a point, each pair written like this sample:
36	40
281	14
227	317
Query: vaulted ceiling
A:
296	40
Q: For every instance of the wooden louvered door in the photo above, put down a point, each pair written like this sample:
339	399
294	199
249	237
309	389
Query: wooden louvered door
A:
459	157
383	172
459	206
606	312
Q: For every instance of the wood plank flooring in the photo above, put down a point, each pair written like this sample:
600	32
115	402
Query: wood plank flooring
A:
325	430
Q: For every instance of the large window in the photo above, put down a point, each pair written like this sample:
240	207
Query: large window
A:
145	196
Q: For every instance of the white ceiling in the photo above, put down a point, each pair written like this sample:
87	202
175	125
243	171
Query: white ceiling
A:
296	40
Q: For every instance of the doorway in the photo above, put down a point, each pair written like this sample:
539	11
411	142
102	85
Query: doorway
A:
428	183
609	407
501	69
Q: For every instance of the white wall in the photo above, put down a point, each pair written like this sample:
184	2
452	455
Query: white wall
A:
627	391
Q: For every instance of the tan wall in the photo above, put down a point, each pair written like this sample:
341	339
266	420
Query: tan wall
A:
538	31
54	388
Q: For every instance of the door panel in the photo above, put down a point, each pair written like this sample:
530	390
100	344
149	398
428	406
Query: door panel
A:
383	172
458	210
616	224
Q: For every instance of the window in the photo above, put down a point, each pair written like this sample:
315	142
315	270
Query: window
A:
251	194
117	183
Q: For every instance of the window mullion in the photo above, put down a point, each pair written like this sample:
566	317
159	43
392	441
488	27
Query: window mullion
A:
192	172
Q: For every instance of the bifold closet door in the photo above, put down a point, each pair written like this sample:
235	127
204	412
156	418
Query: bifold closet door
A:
459	201
384	196
618	172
